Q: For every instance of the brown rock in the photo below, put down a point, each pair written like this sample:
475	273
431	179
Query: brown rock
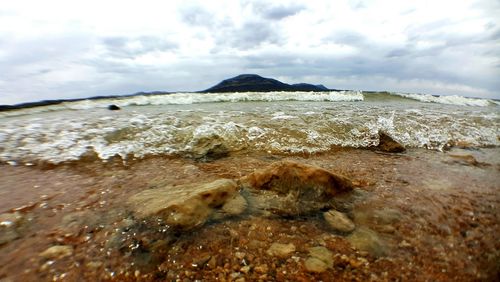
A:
183	206
388	144
291	188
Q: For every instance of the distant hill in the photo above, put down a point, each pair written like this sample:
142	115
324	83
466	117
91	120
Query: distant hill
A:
240	83
254	83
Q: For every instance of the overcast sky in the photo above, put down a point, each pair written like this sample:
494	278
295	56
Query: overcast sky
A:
67	49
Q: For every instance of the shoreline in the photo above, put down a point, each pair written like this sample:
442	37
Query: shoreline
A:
430	211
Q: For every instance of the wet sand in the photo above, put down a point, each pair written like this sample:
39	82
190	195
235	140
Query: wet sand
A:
426	216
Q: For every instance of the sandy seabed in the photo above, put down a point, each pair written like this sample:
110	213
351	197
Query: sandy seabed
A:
426	216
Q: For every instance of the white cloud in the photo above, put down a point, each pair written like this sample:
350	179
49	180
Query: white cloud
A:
65	49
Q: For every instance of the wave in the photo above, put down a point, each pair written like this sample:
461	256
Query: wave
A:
268	127
195	98
448	100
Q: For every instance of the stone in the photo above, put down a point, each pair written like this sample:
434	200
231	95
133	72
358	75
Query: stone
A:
9	222
57	252
289	188
387	216
281	250
208	148
315	265
184	206
233	207
339	221
113	107
322	254
388	144
367	240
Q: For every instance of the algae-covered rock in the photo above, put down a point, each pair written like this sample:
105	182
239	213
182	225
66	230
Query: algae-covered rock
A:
290	188
183	206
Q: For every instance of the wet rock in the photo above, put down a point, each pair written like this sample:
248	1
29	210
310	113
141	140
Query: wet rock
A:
339	221
9	222
183	206
388	144
315	265
367	240
262	268
322	254
113	107
465	159
387	216
290	188
57	252
281	250
234	206
208	148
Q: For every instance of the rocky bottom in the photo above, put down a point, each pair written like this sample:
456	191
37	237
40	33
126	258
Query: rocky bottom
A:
355	215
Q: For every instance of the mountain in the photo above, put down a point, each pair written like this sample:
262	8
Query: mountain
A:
240	83
254	83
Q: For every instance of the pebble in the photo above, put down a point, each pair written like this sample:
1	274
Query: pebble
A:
339	221
57	252
281	250
262	268
245	269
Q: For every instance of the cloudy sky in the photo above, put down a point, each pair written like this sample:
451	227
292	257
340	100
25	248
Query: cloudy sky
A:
66	49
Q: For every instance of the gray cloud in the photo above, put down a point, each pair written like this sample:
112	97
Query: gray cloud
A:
126	47
196	15
206	44
277	12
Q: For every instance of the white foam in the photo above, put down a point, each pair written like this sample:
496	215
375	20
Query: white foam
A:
449	100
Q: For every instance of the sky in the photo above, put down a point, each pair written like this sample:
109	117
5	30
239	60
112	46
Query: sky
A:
55	49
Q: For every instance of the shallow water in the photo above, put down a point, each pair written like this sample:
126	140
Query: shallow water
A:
432	215
68	171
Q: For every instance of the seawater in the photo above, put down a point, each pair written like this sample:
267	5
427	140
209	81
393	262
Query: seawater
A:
278	122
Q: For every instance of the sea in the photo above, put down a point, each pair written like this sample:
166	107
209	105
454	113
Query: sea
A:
185	124
93	194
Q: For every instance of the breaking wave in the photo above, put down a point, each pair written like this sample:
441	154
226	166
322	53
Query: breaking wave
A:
448	100
196	98
276	127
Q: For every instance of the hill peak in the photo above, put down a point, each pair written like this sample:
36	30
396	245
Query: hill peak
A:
257	83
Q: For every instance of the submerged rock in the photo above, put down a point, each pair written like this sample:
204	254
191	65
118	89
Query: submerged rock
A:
320	259
388	144
289	188
339	221
367	240
9	222
184	206
281	250
57	252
